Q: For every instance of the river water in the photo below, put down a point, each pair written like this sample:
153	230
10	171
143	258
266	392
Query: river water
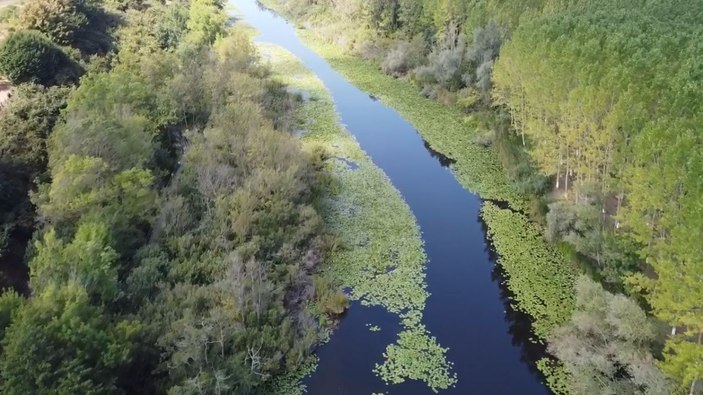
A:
468	310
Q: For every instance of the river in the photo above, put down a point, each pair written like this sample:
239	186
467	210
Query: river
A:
468	309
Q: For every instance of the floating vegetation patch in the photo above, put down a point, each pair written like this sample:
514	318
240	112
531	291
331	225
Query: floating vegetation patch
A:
418	356
291	384
541	278
381	260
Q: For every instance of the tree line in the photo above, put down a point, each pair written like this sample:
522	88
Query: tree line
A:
594	108
174	235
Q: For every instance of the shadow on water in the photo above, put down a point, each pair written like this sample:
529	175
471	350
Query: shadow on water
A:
444	160
519	323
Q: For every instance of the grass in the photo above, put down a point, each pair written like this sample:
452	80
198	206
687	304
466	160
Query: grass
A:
382	259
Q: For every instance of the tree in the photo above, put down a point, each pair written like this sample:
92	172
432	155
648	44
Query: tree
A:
206	21
83	187
25	122
88	260
605	346
61	20
10	303
29	56
59	343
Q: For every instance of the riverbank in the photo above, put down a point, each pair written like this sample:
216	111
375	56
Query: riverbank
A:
542	288
381	260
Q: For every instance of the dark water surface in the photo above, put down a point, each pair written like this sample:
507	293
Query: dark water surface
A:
467	310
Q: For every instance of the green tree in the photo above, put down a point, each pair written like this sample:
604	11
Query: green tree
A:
10	303
605	346
61	20
206	21
88	260
29	56
59	343
25	122
84	187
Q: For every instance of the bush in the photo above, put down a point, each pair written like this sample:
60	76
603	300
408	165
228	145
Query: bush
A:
58	19
29	56
445	64
404	57
8	13
480	56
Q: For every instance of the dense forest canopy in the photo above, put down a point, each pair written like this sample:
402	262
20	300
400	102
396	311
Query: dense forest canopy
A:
175	236
594	108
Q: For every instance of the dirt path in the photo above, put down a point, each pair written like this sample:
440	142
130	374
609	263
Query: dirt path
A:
5	92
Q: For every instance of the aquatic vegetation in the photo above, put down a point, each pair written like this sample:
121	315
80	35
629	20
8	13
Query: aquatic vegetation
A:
418	356
381	259
290	384
540	277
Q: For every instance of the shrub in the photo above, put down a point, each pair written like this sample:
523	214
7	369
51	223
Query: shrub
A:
480	56
445	63
8	13
336	304
404	57
61	20
29	56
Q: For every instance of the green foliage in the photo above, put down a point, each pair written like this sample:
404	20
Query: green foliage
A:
540	277
84	186
683	362
605	346
88	261
10	302
175	195
206	21
60	20
59	343
25	122
79	23
29	56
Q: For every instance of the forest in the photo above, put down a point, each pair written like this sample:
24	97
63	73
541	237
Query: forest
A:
593	109
161	228
151	184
